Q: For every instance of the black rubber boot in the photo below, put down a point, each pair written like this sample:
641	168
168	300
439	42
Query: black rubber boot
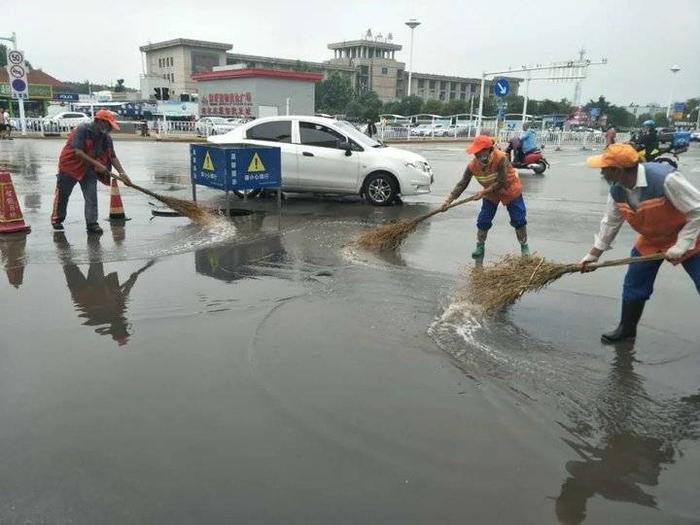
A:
627	329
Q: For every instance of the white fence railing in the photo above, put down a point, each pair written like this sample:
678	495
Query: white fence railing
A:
565	139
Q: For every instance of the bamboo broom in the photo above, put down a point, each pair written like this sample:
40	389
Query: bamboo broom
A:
504	282
391	236
187	208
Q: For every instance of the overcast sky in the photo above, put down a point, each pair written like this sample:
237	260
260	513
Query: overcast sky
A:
641	39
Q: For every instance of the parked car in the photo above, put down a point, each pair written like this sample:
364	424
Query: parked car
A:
695	135
321	155
67	119
206	126
422	130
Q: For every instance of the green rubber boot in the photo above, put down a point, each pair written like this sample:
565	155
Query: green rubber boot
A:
524	250
521	234
479	251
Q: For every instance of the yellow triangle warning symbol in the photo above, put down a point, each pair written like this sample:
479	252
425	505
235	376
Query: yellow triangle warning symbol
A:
208	165
256	164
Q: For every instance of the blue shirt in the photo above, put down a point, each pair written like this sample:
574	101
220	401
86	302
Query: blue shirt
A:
528	141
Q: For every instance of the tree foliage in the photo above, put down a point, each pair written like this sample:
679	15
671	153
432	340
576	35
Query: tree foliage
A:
334	94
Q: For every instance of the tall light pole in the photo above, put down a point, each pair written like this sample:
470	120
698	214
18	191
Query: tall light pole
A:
412	23
674	69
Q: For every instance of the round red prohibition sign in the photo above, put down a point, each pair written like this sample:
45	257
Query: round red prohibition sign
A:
17	71
15	57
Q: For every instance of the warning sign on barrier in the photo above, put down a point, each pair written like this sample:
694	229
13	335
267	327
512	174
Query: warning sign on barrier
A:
236	167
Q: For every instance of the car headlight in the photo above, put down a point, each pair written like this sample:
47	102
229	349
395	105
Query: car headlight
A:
419	165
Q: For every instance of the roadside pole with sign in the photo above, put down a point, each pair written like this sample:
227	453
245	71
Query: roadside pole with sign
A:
17	72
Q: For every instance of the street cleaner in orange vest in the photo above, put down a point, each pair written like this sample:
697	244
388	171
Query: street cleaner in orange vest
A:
87	156
492	169
664	208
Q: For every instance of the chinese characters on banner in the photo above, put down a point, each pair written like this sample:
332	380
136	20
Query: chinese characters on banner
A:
227	104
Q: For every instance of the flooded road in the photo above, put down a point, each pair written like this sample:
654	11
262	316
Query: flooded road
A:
267	371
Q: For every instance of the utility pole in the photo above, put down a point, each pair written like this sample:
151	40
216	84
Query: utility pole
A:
577	89
674	69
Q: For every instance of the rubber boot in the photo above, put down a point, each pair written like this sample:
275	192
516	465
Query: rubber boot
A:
627	329
521	234
480	249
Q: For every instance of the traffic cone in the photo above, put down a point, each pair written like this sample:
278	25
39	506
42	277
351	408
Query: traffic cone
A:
116	208
11	220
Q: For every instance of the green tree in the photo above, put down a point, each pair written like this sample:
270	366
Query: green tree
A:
392	108
410	105
371	105
119	87
433	107
333	94
661	119
456	106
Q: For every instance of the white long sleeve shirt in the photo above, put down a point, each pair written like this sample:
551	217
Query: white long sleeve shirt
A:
683	196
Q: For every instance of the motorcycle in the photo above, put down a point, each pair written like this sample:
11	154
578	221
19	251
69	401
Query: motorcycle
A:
534	160
665	153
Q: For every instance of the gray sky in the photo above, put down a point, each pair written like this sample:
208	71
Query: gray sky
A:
77	40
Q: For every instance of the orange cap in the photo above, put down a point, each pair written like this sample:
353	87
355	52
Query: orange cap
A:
616	155
480	142
108	116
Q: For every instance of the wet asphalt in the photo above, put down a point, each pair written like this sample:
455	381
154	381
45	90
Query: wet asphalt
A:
266	370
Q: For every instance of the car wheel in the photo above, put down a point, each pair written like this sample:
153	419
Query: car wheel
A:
381	189
251	194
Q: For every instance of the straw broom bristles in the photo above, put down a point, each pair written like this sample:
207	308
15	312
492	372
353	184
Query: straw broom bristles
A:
189	209
391	236
504	282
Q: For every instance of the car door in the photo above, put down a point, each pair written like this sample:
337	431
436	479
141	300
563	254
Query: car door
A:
323	165
278	133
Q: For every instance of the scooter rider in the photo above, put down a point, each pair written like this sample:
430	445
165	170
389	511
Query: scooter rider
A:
648	141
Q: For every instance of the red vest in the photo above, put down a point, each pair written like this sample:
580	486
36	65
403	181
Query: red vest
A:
486	175
656	220
73	166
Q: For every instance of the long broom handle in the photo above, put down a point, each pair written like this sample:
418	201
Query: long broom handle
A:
474	197
135	186
617	262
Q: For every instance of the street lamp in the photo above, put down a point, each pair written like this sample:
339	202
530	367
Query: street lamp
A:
674	69
412	23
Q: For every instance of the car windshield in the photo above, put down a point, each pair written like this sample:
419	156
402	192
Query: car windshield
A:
357	135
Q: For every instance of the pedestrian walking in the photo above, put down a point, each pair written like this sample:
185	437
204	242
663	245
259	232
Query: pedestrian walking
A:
664	208
609	135
371	128
87	156
491	168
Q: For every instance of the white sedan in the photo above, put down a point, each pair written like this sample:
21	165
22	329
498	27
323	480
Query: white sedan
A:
207	126
322	155
66	120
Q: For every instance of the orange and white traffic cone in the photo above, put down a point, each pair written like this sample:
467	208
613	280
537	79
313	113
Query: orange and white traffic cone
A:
11	220
116	208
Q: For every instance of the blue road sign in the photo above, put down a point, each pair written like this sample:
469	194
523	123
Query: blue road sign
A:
678	107
235	167
501	87
595	112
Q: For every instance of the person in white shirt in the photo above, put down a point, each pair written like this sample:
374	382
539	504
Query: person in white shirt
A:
664	208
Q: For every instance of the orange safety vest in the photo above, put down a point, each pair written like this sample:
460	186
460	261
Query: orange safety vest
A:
69	164
656	220
486	175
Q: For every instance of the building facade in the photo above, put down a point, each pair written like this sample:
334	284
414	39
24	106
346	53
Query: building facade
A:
244	92
42	87
370	64
171	64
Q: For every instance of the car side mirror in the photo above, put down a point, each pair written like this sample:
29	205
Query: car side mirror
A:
345	145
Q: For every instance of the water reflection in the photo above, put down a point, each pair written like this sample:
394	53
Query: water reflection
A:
12	252
625	448
100	299
236	261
